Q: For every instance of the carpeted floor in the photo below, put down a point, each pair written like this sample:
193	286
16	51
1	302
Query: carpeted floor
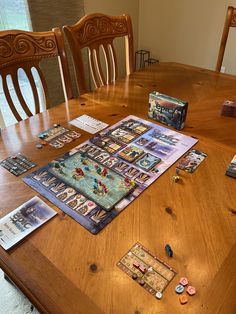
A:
12	301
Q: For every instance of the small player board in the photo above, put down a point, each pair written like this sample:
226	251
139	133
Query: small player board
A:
97	179
57	136
17	164
146	269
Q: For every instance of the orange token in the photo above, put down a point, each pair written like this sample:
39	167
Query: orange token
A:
183	299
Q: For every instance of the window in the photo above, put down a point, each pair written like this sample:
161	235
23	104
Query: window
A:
14	14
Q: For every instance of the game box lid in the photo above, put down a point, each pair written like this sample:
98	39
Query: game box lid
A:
168	110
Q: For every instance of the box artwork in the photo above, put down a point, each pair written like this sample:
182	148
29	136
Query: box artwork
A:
167	110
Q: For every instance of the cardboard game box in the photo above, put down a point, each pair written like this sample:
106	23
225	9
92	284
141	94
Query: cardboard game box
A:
168	110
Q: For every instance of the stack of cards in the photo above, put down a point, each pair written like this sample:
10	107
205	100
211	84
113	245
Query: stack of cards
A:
89	124
191	160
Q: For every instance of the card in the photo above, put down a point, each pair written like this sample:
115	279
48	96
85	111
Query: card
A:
23	220
123	135
131	153
147	161
89	124
191	160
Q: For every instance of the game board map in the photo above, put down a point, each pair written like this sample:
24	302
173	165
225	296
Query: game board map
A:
23	220
17	164
97	179
152	273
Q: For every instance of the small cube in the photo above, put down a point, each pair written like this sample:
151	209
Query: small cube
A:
136	264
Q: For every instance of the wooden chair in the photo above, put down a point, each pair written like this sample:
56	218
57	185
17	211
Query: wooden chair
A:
24	50
97	32
230	21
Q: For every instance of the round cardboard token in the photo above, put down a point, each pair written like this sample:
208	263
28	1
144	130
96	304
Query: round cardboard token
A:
191	290
183	281
158	295
179	289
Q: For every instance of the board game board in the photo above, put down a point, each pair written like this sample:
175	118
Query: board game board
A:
149	271
97	179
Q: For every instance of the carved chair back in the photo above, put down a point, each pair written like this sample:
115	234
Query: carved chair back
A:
230	21
97	32
24	50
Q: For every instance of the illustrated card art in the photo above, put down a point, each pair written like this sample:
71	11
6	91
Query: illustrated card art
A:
191	160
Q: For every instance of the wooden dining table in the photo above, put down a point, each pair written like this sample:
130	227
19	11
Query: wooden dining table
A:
63	268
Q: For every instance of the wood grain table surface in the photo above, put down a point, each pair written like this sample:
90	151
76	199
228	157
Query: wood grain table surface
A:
52	265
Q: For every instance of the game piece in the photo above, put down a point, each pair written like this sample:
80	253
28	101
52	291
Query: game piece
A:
132	182
110	157
191	160
141	281
228	108
179	289
175	178
143	269
157	275
134	276
39	146
231	169
191	290
183	299
168	250
158	295
17	164
183	281
167	110
177	171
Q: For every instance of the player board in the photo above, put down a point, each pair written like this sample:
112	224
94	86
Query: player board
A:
57	136
146	269
17	164
97	179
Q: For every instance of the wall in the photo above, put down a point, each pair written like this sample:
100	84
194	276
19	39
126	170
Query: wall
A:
186	31
130	7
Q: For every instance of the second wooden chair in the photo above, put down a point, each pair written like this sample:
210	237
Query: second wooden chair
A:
230	21
97	32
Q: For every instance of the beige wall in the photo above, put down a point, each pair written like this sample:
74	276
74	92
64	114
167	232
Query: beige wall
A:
110	7
116	7
186	31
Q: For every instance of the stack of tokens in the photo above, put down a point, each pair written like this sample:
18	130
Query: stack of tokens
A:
183	282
